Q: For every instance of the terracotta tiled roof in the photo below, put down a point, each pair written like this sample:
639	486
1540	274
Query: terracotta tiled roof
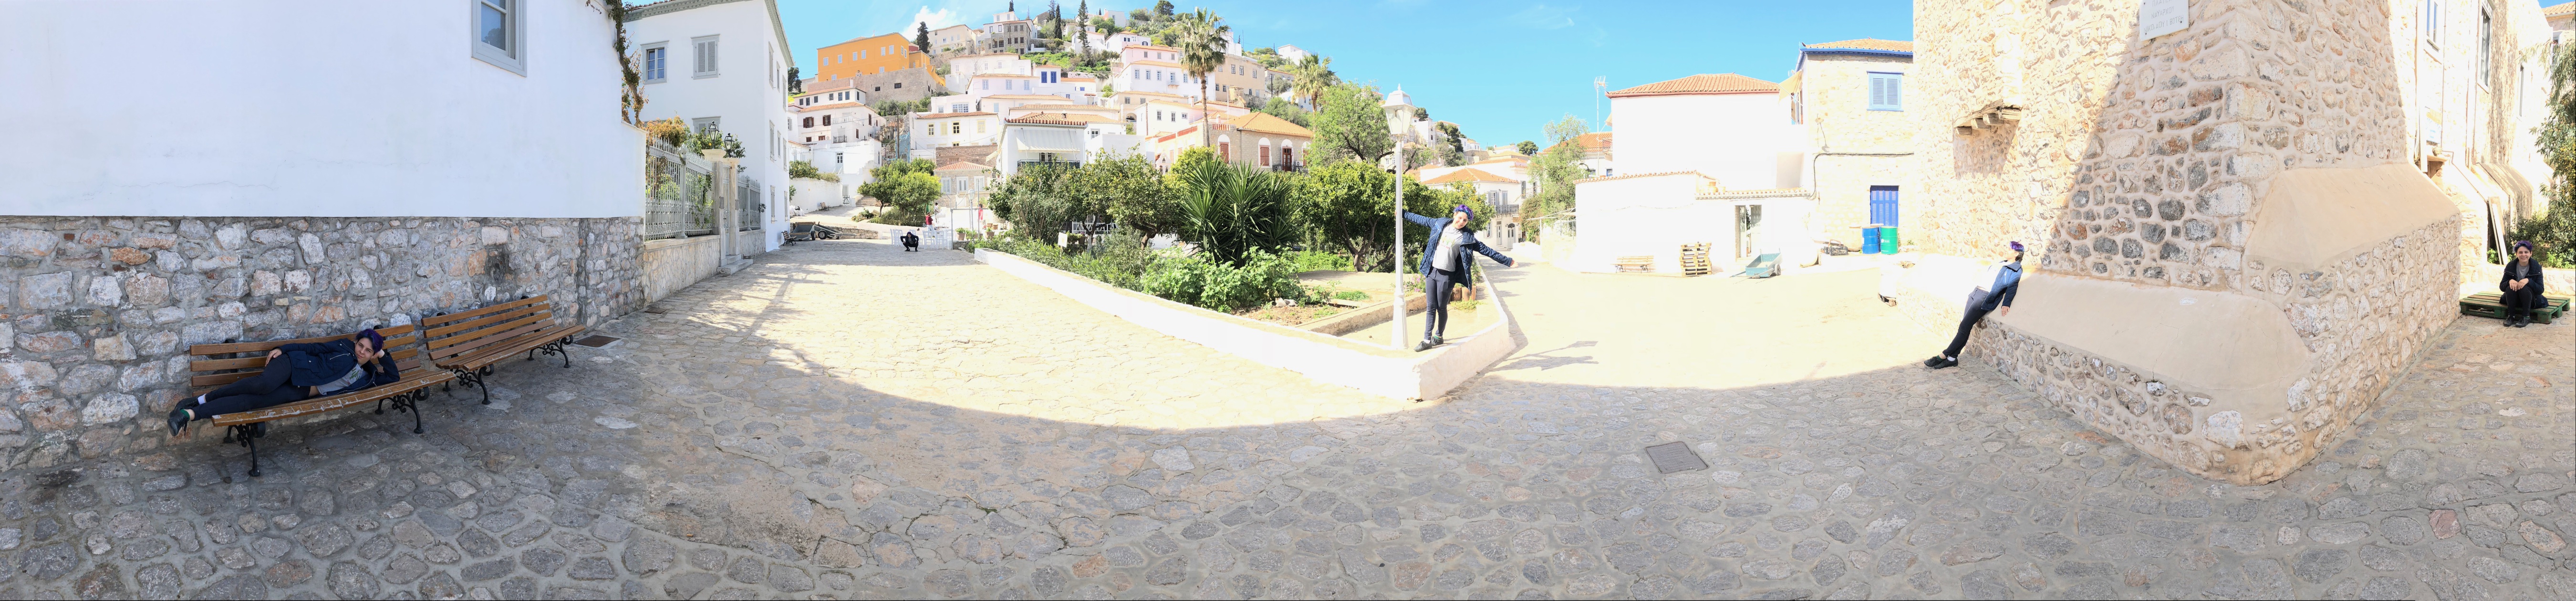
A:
963	165
1470	175
979	154
1655	174
1866	44
1722	83
1060	118
1508	158
1065	107
1264	123
947	115
1595	141
2559	10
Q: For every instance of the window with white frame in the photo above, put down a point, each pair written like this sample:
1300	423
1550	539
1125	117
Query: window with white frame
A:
704	124
497	35
703	63
657	62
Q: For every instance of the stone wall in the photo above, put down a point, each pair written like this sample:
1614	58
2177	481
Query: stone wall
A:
901	84
99	312
671	264
1842	194
2145	163
1834	90
2402	296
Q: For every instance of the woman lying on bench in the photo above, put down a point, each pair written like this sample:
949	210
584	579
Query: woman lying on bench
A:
296	372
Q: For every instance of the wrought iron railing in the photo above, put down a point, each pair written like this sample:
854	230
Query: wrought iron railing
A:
678	198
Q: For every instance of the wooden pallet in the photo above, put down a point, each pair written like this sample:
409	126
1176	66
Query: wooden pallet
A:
1636	264
2491	304
1695	259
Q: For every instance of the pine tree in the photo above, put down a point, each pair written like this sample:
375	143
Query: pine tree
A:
921	36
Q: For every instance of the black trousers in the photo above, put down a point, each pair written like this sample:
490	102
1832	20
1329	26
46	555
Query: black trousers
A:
1435	312
1967	323
2521	302
268	389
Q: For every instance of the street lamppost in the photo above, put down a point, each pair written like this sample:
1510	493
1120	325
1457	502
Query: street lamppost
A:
1395	335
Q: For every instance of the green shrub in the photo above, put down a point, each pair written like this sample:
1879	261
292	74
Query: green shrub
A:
1124	261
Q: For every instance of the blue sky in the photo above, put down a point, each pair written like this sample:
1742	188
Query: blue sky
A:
1501	70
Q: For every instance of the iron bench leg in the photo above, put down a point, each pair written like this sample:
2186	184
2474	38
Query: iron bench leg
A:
474	377
554	348
248	435
411	402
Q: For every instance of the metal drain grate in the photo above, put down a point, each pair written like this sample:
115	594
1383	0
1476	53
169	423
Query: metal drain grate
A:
1675	457
596	341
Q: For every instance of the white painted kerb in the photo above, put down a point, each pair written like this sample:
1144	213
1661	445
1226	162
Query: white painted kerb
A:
1328	359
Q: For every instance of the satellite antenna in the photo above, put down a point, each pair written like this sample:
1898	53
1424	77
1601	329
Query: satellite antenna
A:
1600	88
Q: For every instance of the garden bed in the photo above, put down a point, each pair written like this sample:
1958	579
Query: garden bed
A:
1374	369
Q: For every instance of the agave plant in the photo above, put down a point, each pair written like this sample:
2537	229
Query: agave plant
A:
1230	211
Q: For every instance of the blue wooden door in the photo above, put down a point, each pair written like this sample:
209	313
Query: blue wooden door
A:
1882	206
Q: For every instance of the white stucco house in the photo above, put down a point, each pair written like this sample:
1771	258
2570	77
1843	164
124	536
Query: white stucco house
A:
1701	159
722	64
511	114
970	128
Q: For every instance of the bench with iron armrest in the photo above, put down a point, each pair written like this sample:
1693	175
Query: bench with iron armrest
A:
470	343
221	364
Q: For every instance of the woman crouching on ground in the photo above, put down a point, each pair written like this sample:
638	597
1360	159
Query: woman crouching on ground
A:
296	372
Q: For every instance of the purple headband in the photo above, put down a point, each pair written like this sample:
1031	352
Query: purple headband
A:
2521	244
1471	213
2016	246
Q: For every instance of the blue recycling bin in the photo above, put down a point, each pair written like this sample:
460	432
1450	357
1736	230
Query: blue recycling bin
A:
1869	241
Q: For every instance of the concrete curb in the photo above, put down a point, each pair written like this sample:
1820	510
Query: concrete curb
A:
1332	360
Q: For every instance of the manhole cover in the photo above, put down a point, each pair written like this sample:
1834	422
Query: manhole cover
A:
596	341
1675	457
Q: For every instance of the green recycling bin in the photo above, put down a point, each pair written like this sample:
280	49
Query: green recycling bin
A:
1887	240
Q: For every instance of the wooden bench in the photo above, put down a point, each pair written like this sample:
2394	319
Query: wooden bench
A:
2491	304
470	343
221	364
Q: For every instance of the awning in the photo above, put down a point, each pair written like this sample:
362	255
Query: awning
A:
1046	139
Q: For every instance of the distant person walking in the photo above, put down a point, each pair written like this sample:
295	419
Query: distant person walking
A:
2521	286
1444	264
1994	294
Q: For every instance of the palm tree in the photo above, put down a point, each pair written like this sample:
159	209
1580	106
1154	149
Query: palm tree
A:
1201	40
1313	76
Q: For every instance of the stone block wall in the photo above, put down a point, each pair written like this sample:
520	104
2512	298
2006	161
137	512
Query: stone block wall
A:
1834	90
1842	194
96	314
2144	162
2362	320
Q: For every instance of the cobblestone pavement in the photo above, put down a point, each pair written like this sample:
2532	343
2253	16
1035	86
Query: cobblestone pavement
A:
844	420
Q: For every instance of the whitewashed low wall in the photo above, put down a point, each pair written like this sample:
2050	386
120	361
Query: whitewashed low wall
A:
1369	368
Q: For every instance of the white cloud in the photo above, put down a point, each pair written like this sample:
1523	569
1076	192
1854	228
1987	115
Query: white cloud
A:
1546	17
937	19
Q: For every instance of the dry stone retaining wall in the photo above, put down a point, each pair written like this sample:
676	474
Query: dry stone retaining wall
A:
2143	162
2361	321
96	314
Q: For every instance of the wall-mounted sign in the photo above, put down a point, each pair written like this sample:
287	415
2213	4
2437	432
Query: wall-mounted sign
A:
2159	17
